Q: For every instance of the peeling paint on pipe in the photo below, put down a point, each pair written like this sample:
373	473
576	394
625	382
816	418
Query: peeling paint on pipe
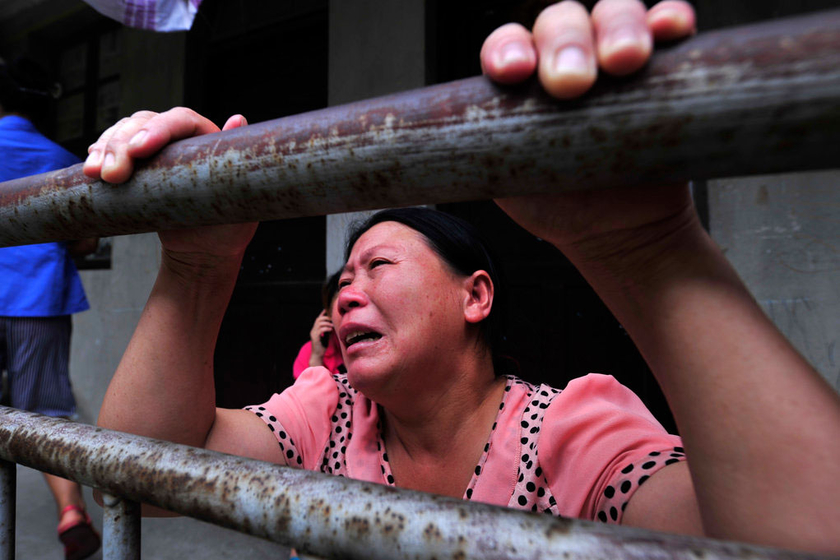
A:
756	99
324	515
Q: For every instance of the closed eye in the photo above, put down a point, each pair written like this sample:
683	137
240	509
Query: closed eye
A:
376	262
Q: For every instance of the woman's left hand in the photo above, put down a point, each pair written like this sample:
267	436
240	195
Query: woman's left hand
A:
567	48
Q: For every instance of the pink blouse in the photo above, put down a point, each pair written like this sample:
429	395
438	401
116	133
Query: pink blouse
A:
332	357
580	452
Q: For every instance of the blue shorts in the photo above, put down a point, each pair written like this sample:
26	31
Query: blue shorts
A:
35	352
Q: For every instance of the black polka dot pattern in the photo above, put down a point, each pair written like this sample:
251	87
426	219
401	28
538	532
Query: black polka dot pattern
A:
615	496
532	492
334	460
480	467
287	445
384	466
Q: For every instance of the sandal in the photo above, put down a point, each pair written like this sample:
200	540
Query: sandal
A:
80	539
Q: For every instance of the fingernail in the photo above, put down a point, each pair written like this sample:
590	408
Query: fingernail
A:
138	138
624	37
512	52
675	16
110	160
571	59
94	158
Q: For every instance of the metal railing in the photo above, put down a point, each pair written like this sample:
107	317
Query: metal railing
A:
320	514
756	99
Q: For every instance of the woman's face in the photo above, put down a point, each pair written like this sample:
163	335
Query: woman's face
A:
398	313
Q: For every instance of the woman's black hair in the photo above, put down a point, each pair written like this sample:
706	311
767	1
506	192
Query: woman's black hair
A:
462	247
329	289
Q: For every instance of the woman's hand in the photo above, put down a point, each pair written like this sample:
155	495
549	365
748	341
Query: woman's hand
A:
321	327
112	157
567	48
143	134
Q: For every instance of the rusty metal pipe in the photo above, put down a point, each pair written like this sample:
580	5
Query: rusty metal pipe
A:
121	528
756	99
328	516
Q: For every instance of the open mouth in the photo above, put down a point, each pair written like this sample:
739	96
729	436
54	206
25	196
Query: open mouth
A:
359	336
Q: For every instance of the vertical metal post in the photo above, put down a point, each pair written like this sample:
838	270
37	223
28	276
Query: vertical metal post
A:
8	487
121	528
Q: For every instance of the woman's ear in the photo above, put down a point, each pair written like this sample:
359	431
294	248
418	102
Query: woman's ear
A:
478	301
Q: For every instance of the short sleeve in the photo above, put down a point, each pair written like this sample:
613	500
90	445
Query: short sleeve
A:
599	443
300	417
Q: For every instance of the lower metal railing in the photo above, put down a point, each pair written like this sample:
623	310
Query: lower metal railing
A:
328	516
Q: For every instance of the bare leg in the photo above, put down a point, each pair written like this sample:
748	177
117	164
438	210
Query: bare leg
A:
80	539
66	492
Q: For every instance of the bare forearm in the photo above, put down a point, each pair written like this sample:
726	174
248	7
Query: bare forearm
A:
163	386
760	425
316	358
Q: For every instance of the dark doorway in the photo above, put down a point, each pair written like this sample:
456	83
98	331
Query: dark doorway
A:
264	60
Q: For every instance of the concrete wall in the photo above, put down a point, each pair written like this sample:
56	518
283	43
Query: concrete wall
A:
376	47
100	335
117	295
782	233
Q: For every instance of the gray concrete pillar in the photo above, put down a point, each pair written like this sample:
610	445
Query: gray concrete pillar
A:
781	234
376	47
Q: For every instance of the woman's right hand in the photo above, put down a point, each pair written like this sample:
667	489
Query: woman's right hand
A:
322	326
112	157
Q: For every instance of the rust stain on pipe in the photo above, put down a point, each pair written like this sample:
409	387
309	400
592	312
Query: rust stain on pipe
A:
334	517
763	98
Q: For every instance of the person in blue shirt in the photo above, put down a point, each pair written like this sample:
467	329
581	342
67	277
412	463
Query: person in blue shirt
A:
39	290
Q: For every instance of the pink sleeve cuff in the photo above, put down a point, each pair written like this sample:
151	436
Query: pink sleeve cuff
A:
300	416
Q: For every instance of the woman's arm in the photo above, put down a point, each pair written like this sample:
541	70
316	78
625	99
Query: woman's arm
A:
164	385
761	427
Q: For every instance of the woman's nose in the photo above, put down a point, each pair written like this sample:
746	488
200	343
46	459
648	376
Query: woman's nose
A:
349	297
